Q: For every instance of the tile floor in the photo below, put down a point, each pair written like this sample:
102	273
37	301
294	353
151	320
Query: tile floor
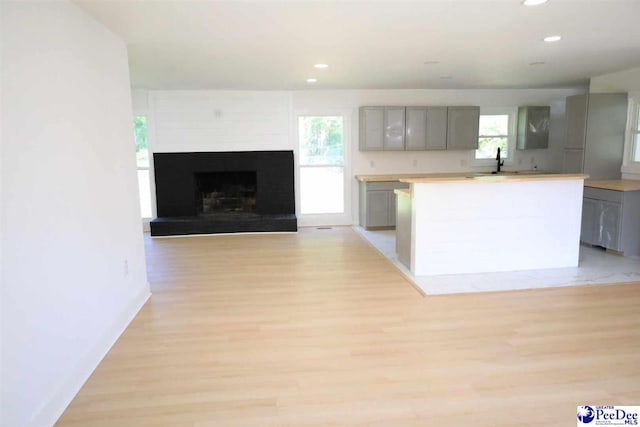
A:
596	267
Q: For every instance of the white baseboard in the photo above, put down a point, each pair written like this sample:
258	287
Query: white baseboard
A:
58	402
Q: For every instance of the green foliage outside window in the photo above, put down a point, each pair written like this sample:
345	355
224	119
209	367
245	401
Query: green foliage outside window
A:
494	130
142	147
321	141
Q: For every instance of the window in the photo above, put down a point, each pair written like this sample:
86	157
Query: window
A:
635	132
495	132
321	157
142	162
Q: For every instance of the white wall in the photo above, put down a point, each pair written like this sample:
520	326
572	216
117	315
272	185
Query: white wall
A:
621	81
219	120
70	214
236	120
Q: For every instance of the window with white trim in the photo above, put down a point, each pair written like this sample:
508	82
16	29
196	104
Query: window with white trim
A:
496	130
321	163
142	163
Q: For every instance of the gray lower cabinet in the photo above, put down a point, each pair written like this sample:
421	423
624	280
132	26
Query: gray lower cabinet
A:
462	128
378	203
610	219
403	229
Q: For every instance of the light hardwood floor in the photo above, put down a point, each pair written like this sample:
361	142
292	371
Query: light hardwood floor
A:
318	329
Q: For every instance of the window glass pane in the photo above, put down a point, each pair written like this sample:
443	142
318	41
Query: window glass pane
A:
488	147
321	190
494	125
145	193
142	148
636	147
321	140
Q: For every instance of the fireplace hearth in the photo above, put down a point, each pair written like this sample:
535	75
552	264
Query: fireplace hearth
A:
224	192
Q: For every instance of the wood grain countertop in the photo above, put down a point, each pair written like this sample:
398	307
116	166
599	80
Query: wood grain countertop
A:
399	176
615	184
491	178
405	176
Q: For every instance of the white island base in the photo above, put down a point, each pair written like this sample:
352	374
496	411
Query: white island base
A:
489	224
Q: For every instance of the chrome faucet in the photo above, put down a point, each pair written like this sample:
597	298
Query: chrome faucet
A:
500	163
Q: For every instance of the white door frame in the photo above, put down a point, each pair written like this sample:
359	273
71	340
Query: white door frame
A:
310	220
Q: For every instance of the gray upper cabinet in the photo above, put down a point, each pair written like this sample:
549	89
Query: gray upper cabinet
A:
394	128
416	128
426	128
462	128
371	128
419	128
436	128
533	127
595	131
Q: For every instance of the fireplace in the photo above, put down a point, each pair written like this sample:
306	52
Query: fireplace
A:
224	192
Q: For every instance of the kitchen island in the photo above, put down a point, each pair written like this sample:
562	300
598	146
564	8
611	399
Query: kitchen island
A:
488	223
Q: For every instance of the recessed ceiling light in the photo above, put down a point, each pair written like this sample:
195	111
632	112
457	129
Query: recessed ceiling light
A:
537	63
533	2
321	66
431	62
312	80
551	39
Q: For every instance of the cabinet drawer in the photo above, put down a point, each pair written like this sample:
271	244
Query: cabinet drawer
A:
602	194
386	185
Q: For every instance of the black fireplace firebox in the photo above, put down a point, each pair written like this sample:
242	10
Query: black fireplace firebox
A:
224	192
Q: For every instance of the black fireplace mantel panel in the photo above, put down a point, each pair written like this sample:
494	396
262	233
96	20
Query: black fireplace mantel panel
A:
177	194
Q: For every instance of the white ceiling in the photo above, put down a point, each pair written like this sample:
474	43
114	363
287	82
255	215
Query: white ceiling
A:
371	44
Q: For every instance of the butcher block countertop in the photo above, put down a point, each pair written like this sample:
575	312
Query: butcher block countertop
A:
615	184
471	177
493	178
399	176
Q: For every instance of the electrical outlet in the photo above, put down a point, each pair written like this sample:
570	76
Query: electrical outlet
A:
126	267
520	161
532	160
415	163
372	164
218	113
463	163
